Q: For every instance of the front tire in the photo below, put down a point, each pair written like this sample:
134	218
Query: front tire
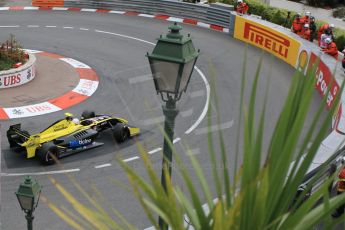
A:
48	153
121	133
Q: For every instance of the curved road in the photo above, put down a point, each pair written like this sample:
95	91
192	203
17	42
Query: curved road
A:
115	47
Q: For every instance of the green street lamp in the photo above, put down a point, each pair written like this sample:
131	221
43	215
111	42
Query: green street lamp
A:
172	62
28	195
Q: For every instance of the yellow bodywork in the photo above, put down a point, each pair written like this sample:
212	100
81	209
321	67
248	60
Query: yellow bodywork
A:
62	128
59	129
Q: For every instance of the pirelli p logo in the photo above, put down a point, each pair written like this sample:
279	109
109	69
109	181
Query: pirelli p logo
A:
266	39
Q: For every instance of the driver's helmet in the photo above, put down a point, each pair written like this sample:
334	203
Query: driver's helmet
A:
239	1
69	116
307	14
76	121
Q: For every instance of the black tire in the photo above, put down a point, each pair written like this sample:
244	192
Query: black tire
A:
48	153
88	114
121	132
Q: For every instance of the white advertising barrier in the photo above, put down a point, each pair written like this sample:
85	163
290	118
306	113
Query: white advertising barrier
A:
18	76
301	54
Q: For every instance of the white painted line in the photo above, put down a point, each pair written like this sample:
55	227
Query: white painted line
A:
4	8
204	25
60	8
146	15
172	19
102	166
50	26
198	93
33	26
124	36
155	150
187	113
153	121
31	8
139	79
68	27
40	173
204	112
131	159
116	12
193	152
88	10
10	26
214	128
84	29
176	140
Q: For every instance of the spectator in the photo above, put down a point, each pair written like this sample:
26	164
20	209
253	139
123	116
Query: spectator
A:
242	7
297	24
306	32
306	18
324	36
312	27
331	48
322	30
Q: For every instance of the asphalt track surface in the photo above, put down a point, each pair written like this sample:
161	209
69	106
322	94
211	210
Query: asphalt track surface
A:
97	40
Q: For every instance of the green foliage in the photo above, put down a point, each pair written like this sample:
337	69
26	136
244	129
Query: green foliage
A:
11	53
339	12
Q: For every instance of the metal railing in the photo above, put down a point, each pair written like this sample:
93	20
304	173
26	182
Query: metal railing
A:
202	13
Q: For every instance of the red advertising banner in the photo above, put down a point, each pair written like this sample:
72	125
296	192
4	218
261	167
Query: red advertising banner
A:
324	79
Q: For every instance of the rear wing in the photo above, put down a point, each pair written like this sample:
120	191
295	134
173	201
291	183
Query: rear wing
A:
16	136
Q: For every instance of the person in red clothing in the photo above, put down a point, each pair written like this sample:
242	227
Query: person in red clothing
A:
306	18
306	32
297	24
331	48
322	30
340	189
242	7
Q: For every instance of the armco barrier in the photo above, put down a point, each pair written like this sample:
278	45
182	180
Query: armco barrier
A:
202	13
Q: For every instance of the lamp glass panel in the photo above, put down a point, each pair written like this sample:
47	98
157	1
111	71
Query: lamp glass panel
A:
26	202
186	74
165	74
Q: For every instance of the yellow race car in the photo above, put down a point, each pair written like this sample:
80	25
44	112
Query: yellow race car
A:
69	135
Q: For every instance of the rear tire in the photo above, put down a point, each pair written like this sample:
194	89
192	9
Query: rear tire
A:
88	114
121	133
48	153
